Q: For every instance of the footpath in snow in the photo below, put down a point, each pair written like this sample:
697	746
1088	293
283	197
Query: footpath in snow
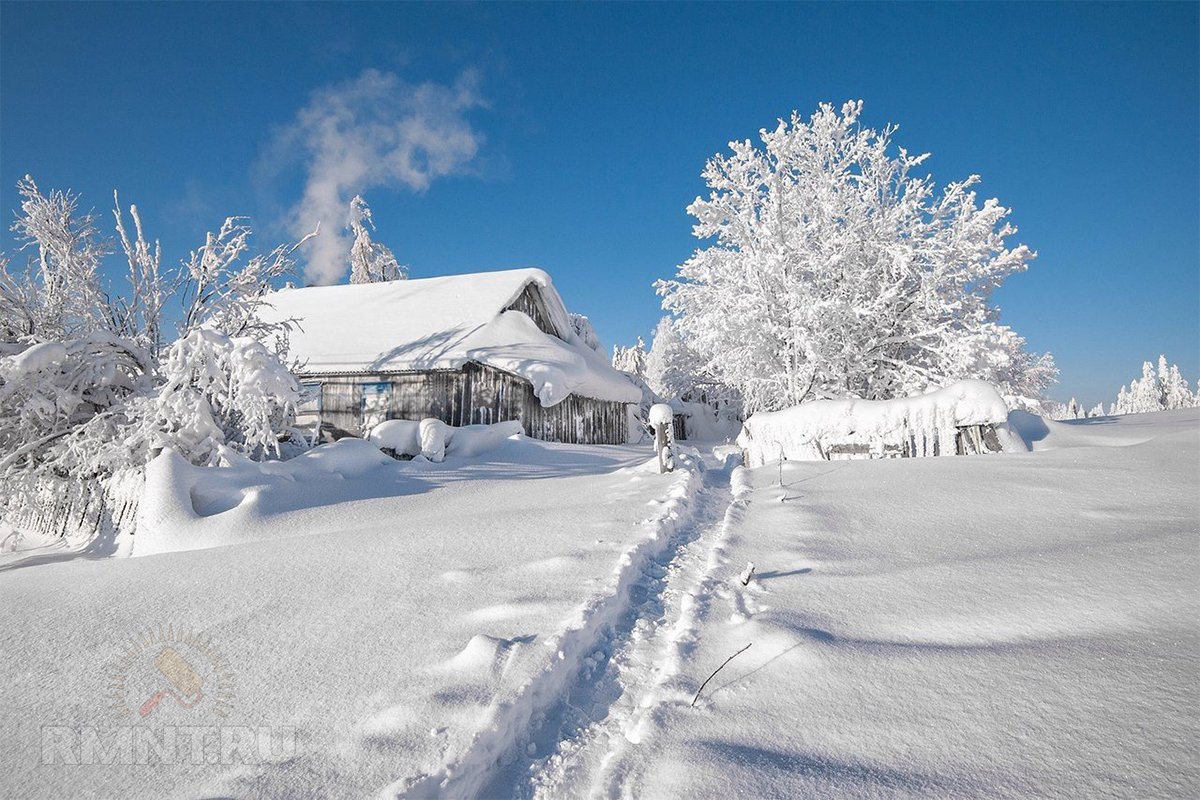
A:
537	623
362	628
990	626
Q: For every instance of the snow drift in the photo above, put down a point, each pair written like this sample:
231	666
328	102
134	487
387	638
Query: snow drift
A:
914	424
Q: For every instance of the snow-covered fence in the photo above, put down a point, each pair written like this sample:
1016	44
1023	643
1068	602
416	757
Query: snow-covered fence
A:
90	509
963	418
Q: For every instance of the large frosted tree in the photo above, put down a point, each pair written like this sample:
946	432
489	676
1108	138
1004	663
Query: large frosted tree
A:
838	271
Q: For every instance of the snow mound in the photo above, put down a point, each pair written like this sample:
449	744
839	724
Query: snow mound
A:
803	432
661	414
435	439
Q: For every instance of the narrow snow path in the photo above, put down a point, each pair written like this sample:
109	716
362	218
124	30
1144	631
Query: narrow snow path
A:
638	668
563	732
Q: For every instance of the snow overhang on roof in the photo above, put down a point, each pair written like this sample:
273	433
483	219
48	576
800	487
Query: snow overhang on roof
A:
444	323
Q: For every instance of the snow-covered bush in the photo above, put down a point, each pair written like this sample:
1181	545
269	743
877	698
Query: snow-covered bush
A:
1161	390
218	393
88	387
839	272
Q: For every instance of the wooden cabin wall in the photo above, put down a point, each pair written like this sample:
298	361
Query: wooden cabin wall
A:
531	303
473	395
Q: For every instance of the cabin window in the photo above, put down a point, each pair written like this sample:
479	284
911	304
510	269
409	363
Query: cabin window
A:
376	398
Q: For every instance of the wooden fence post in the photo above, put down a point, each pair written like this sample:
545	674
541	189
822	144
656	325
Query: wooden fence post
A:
662	419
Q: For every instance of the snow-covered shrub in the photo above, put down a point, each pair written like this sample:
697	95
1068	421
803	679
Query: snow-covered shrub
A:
924	425
218	393
88	388
838	271
433	434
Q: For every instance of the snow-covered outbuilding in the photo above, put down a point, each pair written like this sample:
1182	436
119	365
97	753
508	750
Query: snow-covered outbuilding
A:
963	418
465	349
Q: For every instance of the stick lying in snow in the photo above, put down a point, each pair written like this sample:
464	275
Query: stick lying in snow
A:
718	669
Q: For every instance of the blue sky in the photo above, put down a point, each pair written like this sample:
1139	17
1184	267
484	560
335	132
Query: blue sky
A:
590	124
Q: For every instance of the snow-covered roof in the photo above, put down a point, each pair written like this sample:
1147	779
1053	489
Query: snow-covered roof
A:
444	323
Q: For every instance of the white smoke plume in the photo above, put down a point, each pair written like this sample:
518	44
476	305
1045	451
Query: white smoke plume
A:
373	131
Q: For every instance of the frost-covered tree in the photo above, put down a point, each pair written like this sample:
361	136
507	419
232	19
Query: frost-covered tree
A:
584	330
673	369
87	385
631	359
837	271
370	261
1157	390
1096	410
1175	390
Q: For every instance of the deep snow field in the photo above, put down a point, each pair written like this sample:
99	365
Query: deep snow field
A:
535	621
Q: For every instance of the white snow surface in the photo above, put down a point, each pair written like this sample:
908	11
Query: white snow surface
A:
796	433
36	358
389	612
444	323
1007	627
537	622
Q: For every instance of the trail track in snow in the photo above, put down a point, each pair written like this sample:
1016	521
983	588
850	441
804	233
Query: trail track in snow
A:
564	732
640	668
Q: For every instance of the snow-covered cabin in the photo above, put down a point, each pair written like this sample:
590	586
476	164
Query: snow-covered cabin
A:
465	349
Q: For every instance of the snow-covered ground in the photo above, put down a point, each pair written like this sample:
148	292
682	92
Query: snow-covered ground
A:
993	626
385	616
537	620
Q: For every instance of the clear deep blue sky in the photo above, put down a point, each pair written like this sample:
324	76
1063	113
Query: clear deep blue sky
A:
1083	118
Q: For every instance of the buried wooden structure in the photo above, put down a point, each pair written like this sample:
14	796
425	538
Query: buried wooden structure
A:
964	418
968	440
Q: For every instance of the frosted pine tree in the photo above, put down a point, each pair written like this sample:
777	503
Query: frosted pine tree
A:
838	271
370	261
1157	390
1175	390
631	359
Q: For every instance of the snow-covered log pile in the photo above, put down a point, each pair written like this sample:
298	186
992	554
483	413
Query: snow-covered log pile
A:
965	417
435	439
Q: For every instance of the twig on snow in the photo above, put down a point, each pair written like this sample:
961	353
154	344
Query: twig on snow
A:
718	669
